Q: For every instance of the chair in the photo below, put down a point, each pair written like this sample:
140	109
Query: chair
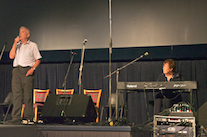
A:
63	91
113	104
7	105
39	99
95	96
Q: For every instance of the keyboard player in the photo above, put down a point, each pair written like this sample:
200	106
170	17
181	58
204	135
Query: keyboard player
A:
166	97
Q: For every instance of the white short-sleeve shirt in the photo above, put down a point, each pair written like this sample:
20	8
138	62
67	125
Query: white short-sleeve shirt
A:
26	54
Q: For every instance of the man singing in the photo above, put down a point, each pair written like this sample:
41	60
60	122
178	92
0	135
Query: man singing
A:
26	59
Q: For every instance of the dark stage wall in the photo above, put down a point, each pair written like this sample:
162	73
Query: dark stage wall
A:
51	75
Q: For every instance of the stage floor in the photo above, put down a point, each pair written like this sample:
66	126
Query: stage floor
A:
58	130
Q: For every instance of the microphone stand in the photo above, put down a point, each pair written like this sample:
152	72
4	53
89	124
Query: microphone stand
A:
2	51
117	77
65	79
81	66
110	53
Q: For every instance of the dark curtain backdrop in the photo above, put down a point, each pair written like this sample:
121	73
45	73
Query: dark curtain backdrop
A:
51	75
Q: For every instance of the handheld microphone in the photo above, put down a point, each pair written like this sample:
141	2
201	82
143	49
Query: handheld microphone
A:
19	41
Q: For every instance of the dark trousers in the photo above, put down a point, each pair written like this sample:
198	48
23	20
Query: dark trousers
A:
22	88
161	103
165	100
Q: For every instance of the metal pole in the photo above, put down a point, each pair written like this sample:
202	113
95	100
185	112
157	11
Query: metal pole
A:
2	51
117	94
81	66
110	53
65	79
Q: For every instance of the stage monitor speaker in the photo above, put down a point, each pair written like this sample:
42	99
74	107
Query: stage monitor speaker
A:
201	115
76	107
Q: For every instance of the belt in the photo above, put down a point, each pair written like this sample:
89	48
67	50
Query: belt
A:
21	66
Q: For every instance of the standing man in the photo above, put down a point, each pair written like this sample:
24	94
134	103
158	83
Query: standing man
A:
26	59
165	98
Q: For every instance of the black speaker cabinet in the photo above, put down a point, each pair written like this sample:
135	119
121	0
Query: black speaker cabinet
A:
76	107
201	115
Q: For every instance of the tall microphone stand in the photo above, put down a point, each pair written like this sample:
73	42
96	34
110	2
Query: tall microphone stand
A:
65	79
110	53
81	66
117	77
2	51
64	84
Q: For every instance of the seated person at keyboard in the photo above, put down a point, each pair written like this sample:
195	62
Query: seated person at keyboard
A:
165	97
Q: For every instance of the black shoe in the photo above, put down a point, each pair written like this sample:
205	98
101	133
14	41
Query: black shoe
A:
27	122
13	122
